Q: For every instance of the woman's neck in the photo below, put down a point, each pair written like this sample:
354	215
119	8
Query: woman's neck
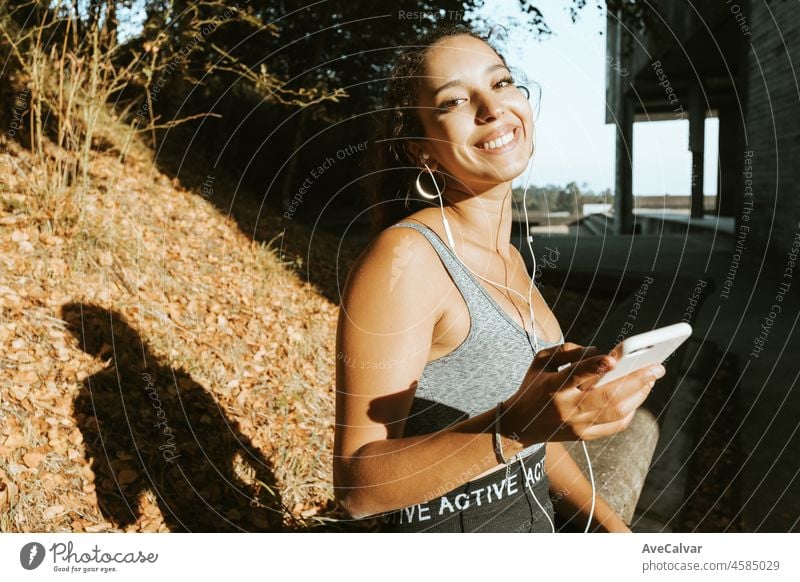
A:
482	218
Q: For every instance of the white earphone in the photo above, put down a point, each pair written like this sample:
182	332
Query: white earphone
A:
529	301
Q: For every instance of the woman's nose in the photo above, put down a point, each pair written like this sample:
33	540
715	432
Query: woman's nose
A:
490	108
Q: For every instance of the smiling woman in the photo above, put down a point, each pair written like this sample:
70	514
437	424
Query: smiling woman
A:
413	108
462	434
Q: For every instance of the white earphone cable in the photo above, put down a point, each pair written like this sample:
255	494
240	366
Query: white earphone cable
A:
529	240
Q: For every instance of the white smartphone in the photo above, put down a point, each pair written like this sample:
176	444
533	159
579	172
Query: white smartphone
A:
645	349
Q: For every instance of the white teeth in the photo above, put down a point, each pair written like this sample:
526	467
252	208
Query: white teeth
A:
499	142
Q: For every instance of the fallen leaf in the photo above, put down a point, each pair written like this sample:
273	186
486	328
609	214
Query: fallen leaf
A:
14	440
76	437
24	378
53	511
17	468
4	500
32	460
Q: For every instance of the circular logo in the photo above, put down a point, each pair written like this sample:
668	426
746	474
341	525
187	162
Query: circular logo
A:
31	555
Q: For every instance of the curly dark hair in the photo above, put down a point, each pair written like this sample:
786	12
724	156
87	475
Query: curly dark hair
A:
393	170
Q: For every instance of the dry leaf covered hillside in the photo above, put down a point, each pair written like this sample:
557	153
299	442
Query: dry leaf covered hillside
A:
160	370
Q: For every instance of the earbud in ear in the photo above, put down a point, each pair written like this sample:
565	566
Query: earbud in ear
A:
425	156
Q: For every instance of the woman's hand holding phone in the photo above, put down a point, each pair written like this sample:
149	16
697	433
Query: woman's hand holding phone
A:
558	399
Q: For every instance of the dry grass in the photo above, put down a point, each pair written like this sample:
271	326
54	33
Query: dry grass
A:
126	299
192	299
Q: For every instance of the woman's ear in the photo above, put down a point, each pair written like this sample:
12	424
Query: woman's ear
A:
419	157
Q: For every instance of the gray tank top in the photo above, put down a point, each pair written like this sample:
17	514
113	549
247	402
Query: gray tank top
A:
488	366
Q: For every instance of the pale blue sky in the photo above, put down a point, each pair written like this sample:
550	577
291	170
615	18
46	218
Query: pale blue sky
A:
573	140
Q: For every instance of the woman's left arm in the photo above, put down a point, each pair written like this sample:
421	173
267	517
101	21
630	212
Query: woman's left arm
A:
574	492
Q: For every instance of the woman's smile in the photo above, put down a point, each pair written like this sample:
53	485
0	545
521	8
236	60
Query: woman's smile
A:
500	142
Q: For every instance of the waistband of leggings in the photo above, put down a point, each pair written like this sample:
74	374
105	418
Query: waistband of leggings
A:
506	482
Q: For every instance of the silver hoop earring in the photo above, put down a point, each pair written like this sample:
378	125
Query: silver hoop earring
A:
422	191
525	90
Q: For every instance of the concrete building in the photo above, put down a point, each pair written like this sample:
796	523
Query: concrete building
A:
733	59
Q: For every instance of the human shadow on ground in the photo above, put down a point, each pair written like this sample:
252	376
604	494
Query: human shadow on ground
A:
150	427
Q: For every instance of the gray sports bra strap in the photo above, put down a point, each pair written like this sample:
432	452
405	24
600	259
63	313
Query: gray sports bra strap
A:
453	265
481	306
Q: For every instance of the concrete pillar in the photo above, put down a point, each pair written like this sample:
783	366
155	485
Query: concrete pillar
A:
729	168
623	197
697	124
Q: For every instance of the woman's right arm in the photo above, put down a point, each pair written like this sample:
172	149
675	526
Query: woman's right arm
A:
390	304
393	297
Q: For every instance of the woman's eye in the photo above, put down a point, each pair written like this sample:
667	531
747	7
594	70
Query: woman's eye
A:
503	83
450	103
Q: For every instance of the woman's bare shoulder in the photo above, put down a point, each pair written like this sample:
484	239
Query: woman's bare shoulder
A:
397	259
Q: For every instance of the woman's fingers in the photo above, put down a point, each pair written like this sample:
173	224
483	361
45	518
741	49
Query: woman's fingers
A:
585	370
566	353
623	407
597	431
569	373
574	363
597	397
615	400
549	353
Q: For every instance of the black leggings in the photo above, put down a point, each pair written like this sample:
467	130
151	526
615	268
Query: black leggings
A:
488	504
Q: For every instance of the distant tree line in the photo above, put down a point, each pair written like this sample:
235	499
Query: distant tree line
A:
553	198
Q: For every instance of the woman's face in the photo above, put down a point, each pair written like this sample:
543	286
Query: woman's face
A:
478	125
